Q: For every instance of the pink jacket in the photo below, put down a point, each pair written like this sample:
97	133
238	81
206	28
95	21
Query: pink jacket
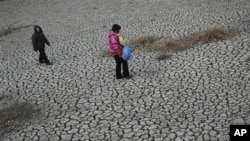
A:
114	44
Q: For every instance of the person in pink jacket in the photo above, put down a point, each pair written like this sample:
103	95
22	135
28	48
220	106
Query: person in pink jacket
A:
115	48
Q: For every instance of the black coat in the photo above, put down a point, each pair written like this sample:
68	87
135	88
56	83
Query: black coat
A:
38	39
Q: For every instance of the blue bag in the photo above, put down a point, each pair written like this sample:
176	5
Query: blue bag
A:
127	53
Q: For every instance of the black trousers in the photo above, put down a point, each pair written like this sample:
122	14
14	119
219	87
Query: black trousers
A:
42	57
119	60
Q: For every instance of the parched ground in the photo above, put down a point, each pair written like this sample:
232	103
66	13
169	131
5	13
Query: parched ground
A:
192	96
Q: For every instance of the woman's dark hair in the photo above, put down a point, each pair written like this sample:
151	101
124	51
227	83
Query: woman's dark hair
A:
116	28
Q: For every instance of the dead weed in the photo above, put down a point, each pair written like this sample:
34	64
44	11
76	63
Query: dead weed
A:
10	29
15	115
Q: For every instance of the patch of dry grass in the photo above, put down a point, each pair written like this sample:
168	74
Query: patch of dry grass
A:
15	115
163	57
10	29
142	41
211	34
170	45
106	54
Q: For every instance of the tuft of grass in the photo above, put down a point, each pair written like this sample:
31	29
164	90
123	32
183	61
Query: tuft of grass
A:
106	54
10	29
163	57
170	45
15	115
211	34
144	40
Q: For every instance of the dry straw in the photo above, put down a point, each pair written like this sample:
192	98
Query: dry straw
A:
105	53
10	29
211	34
142	41
13	116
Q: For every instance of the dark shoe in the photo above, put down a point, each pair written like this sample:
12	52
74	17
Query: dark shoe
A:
127	76
41	62
120	77
49	63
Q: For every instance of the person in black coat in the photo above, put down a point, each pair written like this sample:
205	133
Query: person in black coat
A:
38	41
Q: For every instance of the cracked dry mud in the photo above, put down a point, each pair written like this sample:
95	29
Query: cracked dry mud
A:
193	95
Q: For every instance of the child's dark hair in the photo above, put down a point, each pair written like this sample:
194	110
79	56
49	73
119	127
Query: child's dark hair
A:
116	28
